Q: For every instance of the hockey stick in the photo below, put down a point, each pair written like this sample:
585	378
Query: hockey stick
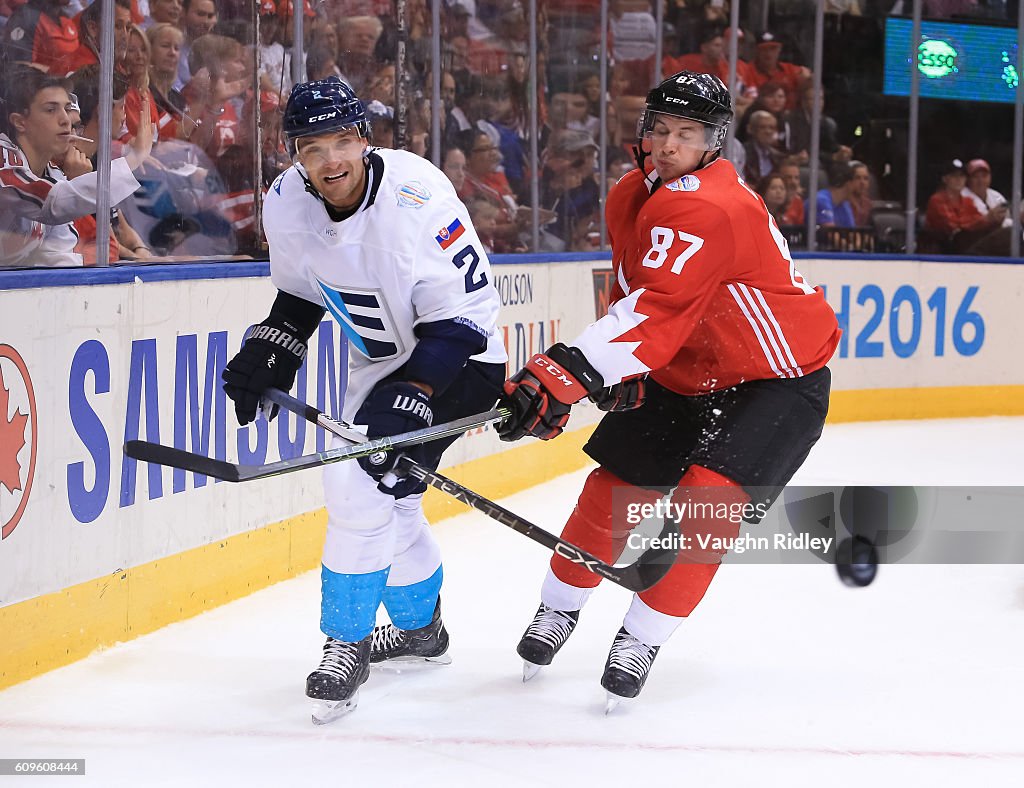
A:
643	573
231	472
638	576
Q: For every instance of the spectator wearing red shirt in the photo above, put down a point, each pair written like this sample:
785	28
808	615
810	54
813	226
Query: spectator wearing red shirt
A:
491	56
789	169
165	42
483	164
953	218
767	67
860	193
125	242
136	71
238	204
486	180
88	21
40	33
216	94
771	97
712	59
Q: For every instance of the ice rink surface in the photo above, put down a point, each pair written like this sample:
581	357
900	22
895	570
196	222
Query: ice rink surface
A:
782	676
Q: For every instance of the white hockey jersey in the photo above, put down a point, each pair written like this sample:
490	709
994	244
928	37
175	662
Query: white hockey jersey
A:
408	255
36	212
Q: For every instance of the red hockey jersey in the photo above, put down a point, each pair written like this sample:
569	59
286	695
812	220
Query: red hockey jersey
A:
706	294
38	32
37	211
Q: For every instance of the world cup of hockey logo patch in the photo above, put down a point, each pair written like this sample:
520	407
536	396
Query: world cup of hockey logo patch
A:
446	236
412	195
688	183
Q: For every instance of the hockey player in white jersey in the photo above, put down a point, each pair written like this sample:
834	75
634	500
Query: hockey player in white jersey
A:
378	239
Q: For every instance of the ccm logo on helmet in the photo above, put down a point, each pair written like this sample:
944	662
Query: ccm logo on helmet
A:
319	118
674	100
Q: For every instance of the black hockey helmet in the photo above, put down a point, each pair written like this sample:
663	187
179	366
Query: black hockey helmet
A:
700	97
321	106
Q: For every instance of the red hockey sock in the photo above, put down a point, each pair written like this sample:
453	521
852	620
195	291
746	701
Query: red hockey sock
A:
596	527
687	581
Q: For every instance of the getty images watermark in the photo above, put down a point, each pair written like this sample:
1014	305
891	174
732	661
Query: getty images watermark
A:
713	539
818	524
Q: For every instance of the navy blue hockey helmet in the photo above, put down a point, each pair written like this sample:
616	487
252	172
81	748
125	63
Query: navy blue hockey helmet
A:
322	106
700	97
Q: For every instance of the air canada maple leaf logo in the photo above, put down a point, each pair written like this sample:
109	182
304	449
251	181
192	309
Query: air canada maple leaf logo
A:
17	438
12	440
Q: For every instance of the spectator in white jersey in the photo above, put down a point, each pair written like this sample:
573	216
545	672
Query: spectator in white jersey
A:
39	200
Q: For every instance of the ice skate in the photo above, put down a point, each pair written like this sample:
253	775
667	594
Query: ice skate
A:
334	685
546	634
426	644
625	672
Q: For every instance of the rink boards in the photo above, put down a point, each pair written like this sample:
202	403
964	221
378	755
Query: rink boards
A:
96	548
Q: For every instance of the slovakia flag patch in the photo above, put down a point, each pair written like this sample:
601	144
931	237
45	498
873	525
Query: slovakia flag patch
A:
450	234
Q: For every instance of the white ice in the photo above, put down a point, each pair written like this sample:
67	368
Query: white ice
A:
782	676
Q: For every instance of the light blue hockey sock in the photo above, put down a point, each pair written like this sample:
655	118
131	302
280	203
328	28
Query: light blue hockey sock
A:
412	606
348	603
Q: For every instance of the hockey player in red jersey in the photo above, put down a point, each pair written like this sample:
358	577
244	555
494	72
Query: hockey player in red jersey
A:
710	363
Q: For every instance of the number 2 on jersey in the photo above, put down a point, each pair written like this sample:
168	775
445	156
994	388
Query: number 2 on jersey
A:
662	239
468	253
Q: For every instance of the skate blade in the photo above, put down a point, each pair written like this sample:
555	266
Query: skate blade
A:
440	659
612	702
530	670
326	711
398	664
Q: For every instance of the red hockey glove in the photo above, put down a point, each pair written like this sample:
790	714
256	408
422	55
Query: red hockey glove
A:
541	393
628	394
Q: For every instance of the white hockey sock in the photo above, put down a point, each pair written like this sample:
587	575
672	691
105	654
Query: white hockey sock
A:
648	625
560	595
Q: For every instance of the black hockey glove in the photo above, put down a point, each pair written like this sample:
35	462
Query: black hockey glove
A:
392	409
626	395
271	355
541	393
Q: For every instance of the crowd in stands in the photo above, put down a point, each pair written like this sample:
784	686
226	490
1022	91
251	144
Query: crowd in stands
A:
965	215
213	86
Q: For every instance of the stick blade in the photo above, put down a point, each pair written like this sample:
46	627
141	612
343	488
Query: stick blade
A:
179	458
655	562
